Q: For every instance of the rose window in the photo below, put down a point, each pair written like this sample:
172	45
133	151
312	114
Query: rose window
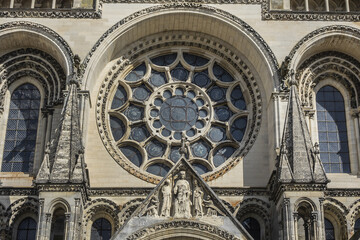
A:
173	98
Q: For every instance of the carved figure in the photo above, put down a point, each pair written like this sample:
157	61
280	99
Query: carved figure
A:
152	210
182	191
198	200
166	199
211	209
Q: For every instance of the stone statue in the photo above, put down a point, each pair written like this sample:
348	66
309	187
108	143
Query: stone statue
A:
166	199
211	209
152	210
182	191
198	200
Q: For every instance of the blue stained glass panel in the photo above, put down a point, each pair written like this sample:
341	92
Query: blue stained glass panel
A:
155	149
222	154
21	129
134	113
199	168
157	78
179	73
141	93
139	134
101	229
120	97
132	154
195	60
117	128
201	79
26	229
136	74
158	169
333	140
200	149
164	60
237	98
221	74
238	128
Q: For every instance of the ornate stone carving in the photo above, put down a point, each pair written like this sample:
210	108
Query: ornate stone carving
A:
182	207
186	182
198	195
166	199
56	13
113	78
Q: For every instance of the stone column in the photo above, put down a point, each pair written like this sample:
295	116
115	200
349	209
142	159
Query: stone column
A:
314	225
67	226
49	124
287	220
296	217
347	5
40	219
47	230
356	118
321	221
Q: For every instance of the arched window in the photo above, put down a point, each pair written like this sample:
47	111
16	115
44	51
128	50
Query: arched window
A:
329	230
357	225
101	229
58	225
26	229
333	141
21	129
252	226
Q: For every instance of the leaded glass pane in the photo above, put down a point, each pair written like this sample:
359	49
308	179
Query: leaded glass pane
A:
179	73
177	103
195	60
155	149
136	74
117	128
252	226
329	230
26	229
158	169
101	229
199	168
120	97
21	129
333	140
164	60
132	154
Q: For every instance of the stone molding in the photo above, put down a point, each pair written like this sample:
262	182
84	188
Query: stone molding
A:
182	224
338	66
341	29
270	56
197	43
41	29
53	13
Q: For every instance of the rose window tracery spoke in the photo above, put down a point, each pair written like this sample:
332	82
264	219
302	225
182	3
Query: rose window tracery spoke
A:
175	96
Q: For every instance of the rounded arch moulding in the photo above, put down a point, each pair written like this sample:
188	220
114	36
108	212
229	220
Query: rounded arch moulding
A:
334	38
243	41
30	35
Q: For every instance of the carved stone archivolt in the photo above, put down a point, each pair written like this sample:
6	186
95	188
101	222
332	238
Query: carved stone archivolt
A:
329	65
190	226
255	206
16	209
100	206
36	64
200	45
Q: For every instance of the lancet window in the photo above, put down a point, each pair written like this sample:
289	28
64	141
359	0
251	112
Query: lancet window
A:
21	132
332	130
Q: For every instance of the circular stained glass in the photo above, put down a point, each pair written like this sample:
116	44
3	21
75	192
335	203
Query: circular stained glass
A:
178	113
188	98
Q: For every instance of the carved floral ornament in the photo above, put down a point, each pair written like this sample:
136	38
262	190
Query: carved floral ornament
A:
152	109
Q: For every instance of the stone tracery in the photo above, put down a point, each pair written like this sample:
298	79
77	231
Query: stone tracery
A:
179	94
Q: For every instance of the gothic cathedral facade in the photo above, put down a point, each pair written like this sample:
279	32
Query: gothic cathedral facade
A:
179	120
